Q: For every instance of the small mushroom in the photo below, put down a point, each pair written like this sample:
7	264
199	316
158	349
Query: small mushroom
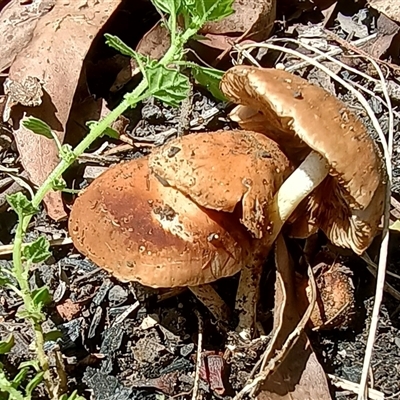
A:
344	178
135	224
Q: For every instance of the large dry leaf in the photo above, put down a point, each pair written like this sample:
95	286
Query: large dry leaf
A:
299	376
387	31
251	16
44	78
253	19
17	23
390	8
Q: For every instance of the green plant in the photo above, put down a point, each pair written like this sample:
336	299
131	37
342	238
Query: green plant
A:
161	79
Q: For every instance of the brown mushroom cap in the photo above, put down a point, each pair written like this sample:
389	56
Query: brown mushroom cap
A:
223	169
138	229
302	117
131	225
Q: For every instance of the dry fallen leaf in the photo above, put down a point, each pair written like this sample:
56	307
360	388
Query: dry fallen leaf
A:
391	8
17	24
54	57
253	19
299	376
386	32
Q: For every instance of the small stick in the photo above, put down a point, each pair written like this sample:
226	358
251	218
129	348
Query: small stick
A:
8	248
354	387
198	356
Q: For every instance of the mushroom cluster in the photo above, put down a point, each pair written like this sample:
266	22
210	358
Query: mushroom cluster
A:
194	212
209	205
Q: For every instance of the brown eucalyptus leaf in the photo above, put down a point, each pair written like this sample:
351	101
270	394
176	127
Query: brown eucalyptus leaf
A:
54	58
298	375
17	24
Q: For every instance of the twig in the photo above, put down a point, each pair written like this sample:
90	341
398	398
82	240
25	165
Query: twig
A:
380	279
354	387
123	315
331	53
326	55
8	248
368	260
360	52
198	356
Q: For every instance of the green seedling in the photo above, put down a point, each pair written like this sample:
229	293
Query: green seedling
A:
162	80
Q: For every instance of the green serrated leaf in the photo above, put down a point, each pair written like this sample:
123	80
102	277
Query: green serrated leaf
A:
41	296
37	251
52	336
33	383
19	378
38	126
203	11
21	205
167	6
58	184
6	345
110	132
210	78
116	43
30	364
167	85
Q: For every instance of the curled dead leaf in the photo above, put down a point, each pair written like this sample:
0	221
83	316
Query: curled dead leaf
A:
296	373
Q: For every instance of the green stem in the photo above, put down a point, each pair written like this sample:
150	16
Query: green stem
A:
174	53
43	360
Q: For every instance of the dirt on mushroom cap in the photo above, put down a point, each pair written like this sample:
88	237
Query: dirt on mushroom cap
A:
138	229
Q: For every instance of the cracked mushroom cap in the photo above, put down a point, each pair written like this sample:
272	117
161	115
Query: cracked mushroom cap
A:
223	169
301	117
139	229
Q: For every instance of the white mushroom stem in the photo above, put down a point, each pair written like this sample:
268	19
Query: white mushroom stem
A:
310	173
297	187
207	295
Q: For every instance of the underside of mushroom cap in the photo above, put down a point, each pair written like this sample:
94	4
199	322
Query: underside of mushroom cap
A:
325	209
225	169
296	111
131	225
